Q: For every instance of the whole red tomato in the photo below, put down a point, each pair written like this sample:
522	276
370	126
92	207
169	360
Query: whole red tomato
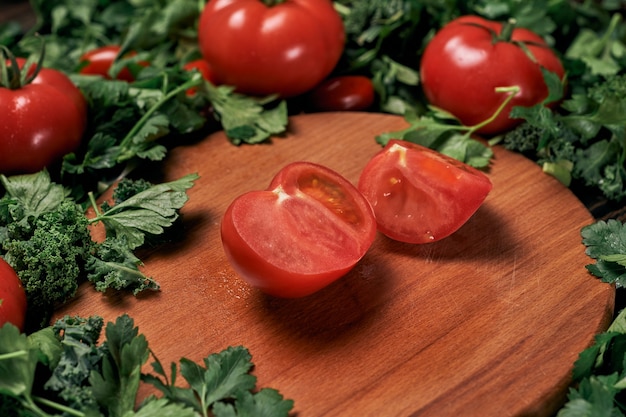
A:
98	61
42	120
284	49
420	195
467	59
343	93
309	228
12	297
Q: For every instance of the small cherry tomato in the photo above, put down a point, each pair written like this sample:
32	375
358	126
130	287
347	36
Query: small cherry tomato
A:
98	61
306	230
43	119
204	68
12	297
469	57
420	195
343	93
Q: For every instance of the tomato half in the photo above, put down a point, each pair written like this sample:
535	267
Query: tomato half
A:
283	49
309	228
98	61
420	195
343	93
12	297
469	57
42	121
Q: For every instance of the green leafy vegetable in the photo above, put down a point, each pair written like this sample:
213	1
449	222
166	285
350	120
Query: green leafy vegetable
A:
46	237
606	243
88	378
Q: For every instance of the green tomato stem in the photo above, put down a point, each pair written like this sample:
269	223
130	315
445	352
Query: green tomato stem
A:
510	91
507	31
272	3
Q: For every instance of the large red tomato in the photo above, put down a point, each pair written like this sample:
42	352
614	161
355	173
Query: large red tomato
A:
467	59
420	195
12	297
309	228
41	120
283	49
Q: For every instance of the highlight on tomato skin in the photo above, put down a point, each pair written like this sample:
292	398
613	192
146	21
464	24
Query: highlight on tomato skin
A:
420	195
309	228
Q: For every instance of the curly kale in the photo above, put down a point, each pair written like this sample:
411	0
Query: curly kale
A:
544	144
48	252
45	236
114	266
80	356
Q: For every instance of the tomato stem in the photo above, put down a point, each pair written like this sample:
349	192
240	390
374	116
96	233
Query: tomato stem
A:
510	91
272	3
14	77
506	33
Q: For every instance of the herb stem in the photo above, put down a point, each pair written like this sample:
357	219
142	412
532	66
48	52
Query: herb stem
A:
57	406
13	355
94	205
195	81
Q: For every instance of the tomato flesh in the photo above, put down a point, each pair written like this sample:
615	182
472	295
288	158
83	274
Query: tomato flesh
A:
420	195
12	297
309	228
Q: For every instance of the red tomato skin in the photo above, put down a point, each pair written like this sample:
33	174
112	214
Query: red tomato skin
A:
42	121
287	242
12	297
461	66
203	67
285	49
419	195
343	93
99	60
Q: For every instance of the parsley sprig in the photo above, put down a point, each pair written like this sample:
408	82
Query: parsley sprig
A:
63	369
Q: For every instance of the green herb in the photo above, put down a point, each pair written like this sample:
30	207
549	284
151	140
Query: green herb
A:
46	238
88	378
600	375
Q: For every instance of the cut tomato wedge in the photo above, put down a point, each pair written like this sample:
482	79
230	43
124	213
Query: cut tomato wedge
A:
420	195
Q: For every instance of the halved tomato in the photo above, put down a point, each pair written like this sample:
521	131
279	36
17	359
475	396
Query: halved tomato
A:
420	195
307	229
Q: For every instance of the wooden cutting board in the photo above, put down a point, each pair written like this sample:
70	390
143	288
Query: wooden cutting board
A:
487	322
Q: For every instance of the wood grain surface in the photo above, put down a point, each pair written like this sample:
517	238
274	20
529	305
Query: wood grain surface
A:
487	322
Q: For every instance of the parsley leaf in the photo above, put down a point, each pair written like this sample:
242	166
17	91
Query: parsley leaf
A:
147	212
606	243
225	376
245	119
